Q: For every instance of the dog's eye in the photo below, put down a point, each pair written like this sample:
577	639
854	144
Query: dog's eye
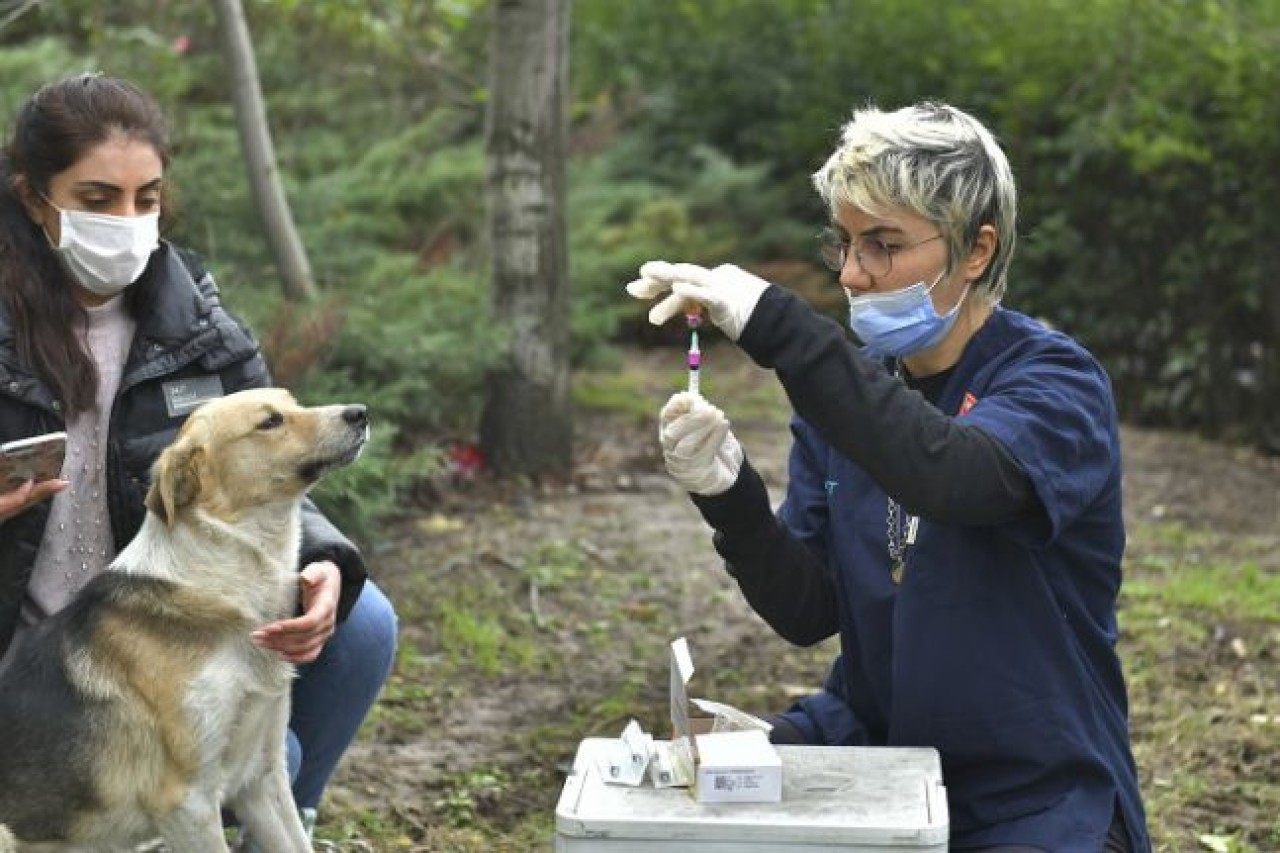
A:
275	419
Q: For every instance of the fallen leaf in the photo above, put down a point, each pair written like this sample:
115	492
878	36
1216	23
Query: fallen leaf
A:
437	524
1217	843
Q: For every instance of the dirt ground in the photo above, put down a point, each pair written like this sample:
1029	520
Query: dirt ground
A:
534	616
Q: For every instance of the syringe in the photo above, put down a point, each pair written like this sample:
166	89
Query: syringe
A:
693	317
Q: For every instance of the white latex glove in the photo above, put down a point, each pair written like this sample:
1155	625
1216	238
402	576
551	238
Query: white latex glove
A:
728	293
700	452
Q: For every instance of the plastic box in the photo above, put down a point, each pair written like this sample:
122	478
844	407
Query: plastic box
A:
866	799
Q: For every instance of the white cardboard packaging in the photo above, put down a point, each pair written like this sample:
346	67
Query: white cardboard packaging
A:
737	767
835	799
720	766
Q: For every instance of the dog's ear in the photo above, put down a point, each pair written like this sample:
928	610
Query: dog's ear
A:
175	479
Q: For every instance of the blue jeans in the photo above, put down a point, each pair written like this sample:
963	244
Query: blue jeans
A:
334	693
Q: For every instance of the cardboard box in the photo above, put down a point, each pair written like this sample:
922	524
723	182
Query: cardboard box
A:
737	767
721	766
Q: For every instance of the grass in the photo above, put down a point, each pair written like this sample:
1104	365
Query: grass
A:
1200	614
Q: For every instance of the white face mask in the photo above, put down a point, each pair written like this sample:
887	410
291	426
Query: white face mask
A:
106	253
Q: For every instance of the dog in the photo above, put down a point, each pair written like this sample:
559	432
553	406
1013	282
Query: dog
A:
143	707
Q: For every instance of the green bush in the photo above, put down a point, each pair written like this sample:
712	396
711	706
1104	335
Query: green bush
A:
1141	135
706	209
1144	137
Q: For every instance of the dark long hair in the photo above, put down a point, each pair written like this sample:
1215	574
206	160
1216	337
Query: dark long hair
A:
54	129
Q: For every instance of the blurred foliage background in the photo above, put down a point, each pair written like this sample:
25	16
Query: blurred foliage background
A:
1145	135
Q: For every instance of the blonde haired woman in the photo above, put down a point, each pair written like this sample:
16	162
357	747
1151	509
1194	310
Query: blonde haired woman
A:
953	507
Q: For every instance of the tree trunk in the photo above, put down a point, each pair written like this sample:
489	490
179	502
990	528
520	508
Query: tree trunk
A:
259	154
526	427
1268	387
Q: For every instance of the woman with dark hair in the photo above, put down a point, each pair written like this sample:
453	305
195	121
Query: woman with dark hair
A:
114	335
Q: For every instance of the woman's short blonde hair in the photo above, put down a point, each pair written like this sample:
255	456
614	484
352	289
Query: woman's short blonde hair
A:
937	162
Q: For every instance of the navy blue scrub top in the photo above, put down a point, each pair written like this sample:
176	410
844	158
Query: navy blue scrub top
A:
997	647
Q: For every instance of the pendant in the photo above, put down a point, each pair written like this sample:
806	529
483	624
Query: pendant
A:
899	567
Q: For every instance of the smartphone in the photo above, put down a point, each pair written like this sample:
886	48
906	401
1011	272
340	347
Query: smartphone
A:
36	458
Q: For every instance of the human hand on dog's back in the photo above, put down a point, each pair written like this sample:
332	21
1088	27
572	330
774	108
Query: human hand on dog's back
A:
28	494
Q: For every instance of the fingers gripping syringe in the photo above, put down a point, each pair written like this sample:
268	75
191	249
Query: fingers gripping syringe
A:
693	317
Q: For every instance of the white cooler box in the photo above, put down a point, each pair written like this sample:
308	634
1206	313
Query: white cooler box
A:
868	799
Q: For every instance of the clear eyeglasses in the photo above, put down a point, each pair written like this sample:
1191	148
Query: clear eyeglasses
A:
875	257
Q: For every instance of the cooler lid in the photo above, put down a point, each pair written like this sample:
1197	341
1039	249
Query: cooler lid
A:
883	796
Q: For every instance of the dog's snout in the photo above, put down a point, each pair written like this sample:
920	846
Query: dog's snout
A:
356	415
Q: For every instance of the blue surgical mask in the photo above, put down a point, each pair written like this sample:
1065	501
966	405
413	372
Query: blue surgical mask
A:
902	322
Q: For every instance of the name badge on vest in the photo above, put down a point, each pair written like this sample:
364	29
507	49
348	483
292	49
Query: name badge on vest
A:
181	396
